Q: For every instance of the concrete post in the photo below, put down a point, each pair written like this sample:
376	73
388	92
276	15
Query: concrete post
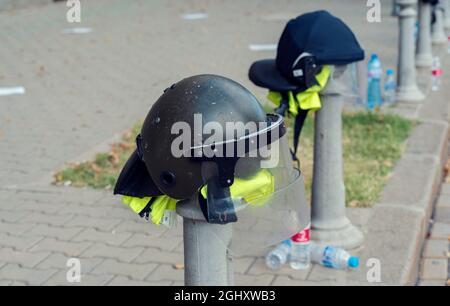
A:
424	55
207	261
329	222
446	5
407	89
438	35
394	11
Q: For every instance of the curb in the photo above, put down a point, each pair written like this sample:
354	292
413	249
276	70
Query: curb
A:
399	223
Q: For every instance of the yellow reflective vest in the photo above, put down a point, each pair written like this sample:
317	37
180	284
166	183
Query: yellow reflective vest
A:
254	191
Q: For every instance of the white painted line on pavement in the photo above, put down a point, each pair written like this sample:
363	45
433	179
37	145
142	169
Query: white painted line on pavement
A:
77	30
9	91
194	16
262	47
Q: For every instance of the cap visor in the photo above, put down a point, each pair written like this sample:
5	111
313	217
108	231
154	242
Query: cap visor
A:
265	74
135	181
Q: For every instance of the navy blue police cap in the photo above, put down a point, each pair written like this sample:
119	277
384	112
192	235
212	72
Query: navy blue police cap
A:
317	35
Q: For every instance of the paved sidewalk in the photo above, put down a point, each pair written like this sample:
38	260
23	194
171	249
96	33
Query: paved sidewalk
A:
435	264
84	89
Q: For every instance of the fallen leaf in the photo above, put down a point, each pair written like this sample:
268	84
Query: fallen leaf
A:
353	204
96	168
114	158
178	266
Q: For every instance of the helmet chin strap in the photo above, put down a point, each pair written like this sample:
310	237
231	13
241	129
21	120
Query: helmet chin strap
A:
219	206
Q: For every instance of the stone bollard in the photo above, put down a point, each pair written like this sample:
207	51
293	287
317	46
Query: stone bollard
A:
438	35
329	222
424	55
207	261
446	5
407	89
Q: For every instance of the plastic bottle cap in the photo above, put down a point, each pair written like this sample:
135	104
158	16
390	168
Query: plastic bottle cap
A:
353	262
374	56
390	72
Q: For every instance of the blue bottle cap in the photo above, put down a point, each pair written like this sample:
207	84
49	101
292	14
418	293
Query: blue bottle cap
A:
374	56
353	262
390	72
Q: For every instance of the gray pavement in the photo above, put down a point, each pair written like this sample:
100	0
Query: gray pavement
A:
83	90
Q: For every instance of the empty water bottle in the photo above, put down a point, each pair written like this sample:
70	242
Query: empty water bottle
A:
332	257
300	257
389	87
276	258
416	32
375	73
436	73
448	44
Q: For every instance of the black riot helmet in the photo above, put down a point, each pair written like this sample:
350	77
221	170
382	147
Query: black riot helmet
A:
209	131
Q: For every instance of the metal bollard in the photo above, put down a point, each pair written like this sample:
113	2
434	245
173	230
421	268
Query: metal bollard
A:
207	261
438	32
407	89
446	5
329	222
424	55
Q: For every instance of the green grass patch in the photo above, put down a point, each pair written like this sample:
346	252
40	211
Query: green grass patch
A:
372	145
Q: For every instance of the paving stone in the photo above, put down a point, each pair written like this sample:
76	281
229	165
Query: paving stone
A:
436	249
442	214
443	200
133	271
59	261
19	243
137	225
322	274
60	279
166	273
152	242
259	268
125	281
282	280
43	218
155	255
27	275
243	264
445	189
71	249
101	224
434	269
119	253
12	216
110	238
440	231
253	280
25	259
33	206
61	233
14	228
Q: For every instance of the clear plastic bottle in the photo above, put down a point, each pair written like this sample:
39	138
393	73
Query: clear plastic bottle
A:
436	74
332	257
276	258
416	32
389	87
375	73
448	44
300	257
